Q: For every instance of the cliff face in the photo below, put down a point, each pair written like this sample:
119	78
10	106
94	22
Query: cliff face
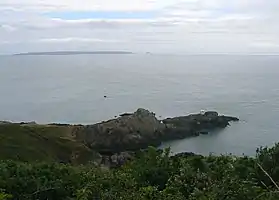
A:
194	125
128	132
80	144
142	129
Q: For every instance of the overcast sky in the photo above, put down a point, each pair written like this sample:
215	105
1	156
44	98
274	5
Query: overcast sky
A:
165	26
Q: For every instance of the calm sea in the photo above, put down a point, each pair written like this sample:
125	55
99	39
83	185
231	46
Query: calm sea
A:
71	89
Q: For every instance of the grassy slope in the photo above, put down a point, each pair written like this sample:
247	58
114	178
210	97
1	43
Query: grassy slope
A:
41	143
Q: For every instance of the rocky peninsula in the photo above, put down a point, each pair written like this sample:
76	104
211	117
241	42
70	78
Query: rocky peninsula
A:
111	141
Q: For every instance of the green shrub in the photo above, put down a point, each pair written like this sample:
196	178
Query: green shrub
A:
152	175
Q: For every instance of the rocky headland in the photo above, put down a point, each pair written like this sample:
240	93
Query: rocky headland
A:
110	142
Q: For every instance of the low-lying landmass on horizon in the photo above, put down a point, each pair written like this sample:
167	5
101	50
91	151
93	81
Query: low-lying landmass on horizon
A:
71	53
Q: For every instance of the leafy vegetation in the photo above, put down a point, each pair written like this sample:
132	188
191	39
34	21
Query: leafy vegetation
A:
152	175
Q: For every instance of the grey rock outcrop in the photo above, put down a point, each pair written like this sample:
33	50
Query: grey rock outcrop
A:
138	130
128	132
194	125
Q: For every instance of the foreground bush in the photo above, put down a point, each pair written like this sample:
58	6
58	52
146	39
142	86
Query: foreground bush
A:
153	175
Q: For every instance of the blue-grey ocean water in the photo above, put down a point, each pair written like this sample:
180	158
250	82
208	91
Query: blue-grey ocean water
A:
71	89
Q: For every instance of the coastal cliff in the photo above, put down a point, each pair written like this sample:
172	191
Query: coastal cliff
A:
111	141
133	131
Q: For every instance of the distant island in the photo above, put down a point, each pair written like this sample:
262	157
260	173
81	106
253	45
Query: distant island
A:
58	53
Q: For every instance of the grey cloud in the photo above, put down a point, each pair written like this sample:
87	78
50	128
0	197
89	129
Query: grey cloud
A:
195	25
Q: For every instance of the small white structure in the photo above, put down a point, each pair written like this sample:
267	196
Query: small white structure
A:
202	112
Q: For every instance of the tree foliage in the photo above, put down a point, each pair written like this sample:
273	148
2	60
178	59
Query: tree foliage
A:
152	175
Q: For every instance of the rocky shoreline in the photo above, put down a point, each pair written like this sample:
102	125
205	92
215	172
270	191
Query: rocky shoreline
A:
141	129
115	140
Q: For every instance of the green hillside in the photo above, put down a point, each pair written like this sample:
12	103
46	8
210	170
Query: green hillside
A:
41	143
